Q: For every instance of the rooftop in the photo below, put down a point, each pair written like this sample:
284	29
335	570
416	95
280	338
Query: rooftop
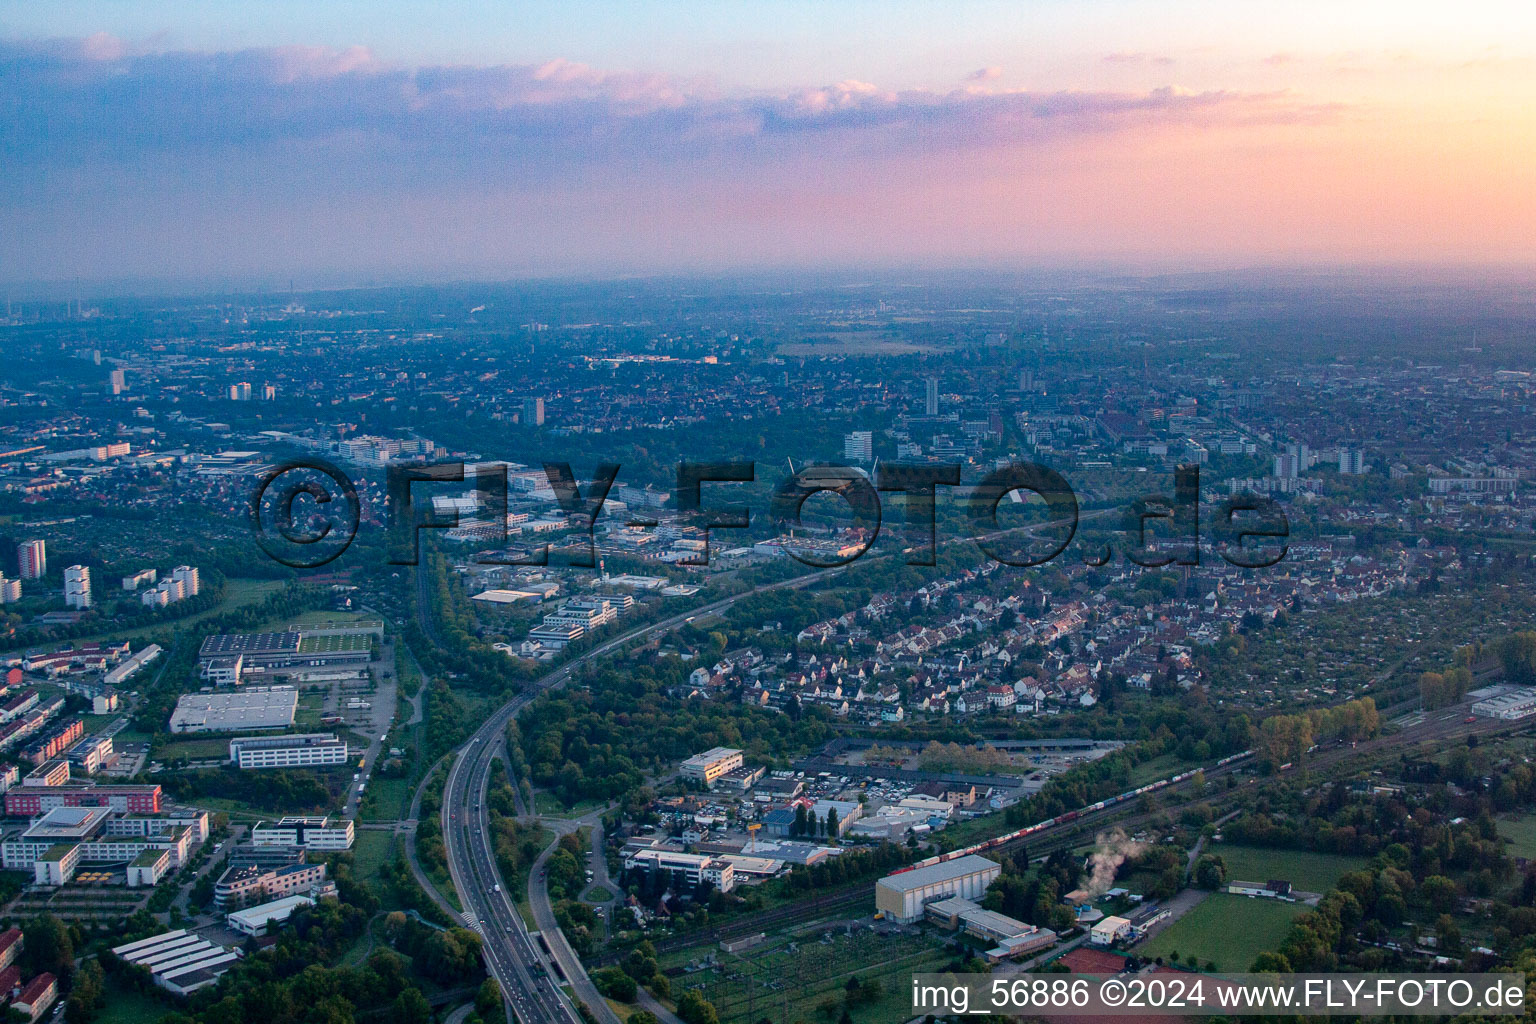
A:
906	881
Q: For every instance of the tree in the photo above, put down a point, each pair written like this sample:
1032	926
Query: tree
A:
695	1009
832	823
411	1007
615	984
1210	871
85	999
488	999
1439	892
49	948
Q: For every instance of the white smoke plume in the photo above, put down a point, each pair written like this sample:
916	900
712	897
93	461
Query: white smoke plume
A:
1112	849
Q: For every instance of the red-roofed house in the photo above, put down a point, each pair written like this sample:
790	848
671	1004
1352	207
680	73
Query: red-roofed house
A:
37	995
10	946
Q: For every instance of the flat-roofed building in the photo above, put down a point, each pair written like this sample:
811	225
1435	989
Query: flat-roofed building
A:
24	801
131	665
251	883
148	868
710	765
1012	938
309	833
57	864
1511	706
296	751
259	919
256	707
902	896
691	868
1109	931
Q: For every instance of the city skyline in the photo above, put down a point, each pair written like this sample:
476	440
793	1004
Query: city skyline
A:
156	144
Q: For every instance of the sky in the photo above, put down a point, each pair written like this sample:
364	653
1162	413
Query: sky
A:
350	142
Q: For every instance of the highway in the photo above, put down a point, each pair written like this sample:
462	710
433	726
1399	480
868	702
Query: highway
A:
511	954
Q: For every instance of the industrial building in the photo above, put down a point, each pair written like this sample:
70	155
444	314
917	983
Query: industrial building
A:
296	751
1515	704
256	707
710	765
293	653
125	671
1012	938
903	895
179	961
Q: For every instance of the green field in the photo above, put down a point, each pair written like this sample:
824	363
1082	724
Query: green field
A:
192	750
1229	931
125	1006
1520	830
370	852
1307	871
386	800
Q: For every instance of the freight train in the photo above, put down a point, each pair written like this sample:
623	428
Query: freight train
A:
1062	819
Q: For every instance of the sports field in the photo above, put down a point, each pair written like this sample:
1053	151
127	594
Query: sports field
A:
1305	870
1226	930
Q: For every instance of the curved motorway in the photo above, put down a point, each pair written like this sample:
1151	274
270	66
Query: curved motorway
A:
510	953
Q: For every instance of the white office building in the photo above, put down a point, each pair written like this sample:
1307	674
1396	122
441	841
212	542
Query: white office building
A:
302	750
305	833
691	868
859	446
710	765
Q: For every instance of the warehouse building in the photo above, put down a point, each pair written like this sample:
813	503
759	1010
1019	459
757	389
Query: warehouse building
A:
903	895
256	707
302	750
1508	707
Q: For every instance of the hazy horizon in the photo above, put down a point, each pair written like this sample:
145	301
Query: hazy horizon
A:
155	143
